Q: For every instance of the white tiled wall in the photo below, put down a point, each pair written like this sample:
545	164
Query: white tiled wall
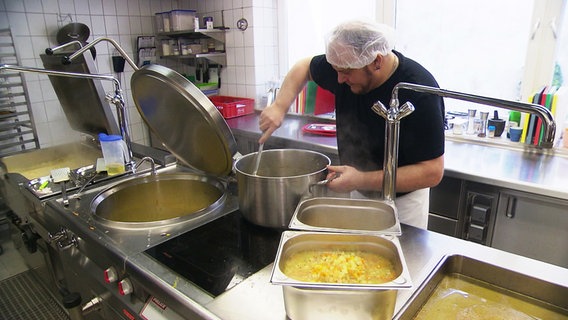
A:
251	54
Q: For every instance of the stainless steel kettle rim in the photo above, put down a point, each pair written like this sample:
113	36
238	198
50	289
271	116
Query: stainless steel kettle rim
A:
184	120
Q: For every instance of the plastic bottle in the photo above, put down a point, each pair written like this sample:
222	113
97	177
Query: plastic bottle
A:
491	131
471	121
483	128
514	121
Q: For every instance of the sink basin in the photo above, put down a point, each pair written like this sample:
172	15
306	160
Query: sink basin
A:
157	200
465	288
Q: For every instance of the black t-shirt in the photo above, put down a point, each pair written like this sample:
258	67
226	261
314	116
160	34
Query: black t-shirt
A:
361	132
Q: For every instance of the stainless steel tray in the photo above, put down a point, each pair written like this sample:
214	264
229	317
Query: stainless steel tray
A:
344	215
486	288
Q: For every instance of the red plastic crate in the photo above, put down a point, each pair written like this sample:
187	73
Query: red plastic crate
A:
231	107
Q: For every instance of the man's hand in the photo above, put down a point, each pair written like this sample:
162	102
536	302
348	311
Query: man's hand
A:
270	119
346	178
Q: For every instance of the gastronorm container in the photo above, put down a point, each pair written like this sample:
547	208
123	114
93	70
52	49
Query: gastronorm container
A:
317	300
476	287
364	216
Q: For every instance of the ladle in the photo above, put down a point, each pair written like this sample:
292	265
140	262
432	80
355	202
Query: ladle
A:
257	159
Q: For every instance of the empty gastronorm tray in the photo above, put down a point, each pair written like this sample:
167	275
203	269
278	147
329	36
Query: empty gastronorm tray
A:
363	216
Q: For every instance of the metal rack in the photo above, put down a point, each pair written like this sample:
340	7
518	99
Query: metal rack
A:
17	128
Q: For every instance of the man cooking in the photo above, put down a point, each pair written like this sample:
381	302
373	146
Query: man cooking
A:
360	67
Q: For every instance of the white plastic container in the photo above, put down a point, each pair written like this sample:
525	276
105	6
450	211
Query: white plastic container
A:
114	151
166	21
182	20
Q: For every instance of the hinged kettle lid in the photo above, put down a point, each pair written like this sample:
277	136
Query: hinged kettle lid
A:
184	120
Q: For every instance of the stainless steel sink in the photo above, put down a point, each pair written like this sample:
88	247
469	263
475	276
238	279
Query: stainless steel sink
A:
462	287
157	200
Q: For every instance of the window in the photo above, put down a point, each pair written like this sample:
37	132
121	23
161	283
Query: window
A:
561	62
466	44
502	49
304	24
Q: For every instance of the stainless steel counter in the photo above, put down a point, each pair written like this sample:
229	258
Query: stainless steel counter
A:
485	162
256	298
504	165
101	246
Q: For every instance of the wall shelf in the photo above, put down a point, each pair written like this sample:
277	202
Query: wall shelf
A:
218	35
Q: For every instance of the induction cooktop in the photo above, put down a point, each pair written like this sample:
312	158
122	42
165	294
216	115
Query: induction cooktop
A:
221	254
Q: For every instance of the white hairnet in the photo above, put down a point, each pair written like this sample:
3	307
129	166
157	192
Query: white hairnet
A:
355	44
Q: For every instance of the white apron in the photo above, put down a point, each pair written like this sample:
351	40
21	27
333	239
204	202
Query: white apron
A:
412	207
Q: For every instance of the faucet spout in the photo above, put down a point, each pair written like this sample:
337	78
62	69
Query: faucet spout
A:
544	114
152	164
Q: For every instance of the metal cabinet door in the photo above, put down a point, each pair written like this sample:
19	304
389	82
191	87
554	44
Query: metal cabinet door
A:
533	226
445	207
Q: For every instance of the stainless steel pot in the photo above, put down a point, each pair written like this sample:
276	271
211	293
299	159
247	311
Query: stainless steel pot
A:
269	198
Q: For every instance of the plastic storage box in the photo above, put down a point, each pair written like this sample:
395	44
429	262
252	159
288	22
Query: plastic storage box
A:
231	107
159	18
181	20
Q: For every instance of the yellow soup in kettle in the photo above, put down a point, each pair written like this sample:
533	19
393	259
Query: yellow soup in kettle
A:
339	266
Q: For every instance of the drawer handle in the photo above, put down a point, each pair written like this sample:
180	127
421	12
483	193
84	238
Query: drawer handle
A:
511	203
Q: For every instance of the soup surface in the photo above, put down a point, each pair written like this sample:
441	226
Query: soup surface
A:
459	297
357	267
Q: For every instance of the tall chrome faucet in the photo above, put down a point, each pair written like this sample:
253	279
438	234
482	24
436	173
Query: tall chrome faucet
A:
395	113
540	111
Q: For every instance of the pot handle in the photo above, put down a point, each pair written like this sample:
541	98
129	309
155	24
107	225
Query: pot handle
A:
323	182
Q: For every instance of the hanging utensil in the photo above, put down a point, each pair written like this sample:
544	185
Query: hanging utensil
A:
73	31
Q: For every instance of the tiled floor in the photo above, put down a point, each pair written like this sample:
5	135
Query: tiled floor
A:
21	294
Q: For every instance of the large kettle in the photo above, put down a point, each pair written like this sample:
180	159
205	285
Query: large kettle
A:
270	197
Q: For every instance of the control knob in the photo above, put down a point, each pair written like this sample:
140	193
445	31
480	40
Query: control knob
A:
110	275
125	287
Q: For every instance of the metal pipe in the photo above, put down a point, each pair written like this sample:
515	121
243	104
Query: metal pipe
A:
50	51
68	59
544	114
152	164
117	99
61	73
